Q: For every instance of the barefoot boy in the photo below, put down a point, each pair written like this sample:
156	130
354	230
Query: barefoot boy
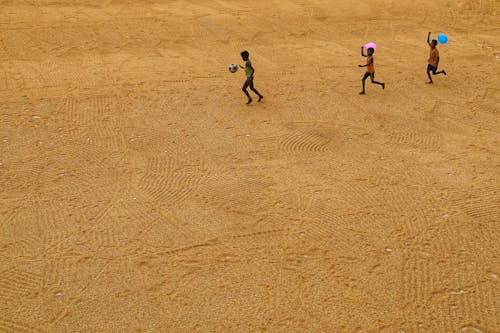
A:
370	71
249	71
433	59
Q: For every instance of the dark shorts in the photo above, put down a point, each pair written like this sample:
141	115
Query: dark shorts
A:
431	68
248	83
369	74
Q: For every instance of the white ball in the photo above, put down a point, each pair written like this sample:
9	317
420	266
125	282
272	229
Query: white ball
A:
233	68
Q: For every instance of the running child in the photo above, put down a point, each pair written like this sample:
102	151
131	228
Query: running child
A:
370	71
433	59
249	72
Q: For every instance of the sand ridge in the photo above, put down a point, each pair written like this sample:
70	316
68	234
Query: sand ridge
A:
140	194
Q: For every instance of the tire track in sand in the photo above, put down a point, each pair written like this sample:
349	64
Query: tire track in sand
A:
168	182
304	142
483	205
16	283
94	121
9	326
171	171
440	275
307	137
488	102
421	140
61	252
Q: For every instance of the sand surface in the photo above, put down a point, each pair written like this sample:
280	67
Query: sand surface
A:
138	192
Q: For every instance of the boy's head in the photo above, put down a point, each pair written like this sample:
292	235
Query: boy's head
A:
370	51
434	43
245	55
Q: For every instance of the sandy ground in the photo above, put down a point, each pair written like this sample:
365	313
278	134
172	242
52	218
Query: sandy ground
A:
140	194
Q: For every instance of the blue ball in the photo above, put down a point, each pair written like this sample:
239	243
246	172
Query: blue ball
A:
443	39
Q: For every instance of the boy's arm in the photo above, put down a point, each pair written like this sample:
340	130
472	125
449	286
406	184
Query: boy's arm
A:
368	63
429	38
362	52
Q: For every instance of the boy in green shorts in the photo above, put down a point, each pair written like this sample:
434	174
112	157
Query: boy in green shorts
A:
249	72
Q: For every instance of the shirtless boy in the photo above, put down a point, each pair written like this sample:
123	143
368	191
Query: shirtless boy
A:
433	59
370	71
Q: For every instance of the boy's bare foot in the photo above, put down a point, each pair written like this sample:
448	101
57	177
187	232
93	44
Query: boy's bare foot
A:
383	85
260	98
444	72
249	101
430	82
362	93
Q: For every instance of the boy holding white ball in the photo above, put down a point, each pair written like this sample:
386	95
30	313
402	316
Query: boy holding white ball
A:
249	71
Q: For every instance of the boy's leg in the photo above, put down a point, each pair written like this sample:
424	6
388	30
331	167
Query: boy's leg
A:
440	72
372	77
245	86
258	94
363	82
379	83
255	90
430	69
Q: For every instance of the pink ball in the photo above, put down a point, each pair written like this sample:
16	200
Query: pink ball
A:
370	45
